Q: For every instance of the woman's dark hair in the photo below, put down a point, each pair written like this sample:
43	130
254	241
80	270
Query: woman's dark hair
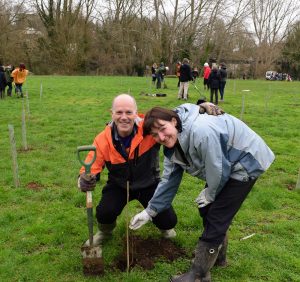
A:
156	113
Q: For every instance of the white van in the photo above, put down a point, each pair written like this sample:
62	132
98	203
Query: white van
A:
270	75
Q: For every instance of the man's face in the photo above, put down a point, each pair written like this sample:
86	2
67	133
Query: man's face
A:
123	115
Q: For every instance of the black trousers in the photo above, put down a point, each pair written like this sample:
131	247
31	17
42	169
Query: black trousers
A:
218	215
214	92
114	199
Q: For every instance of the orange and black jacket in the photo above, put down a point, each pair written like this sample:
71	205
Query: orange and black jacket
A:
140	166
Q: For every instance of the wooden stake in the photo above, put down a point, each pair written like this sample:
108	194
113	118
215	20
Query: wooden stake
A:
41	91
234	87
127	227
14	155
298	182
243	107
24	139
27	104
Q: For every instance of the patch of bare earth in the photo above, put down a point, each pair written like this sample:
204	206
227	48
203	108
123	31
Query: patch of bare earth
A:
144	252
23	150
34	186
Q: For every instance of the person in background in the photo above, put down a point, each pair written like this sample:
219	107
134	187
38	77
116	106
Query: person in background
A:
223	75
195	74
160	73
19	75
153	72
178	65
224	152
2	82
185	77
214	80
9	79
206	73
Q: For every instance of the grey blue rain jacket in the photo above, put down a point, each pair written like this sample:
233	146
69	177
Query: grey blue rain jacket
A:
215	149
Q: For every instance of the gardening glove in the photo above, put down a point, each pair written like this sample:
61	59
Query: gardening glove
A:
139	220
201	200
86	182
210	109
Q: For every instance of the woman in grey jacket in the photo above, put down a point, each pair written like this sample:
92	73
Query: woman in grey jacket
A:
221	150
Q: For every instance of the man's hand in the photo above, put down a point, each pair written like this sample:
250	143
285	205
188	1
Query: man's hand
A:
210	109
139	220
86	182
201	199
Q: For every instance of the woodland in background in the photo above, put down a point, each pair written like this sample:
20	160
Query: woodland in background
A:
122	37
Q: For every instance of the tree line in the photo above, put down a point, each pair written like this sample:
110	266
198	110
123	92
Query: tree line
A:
122	37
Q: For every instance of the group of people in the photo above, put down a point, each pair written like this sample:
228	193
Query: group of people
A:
198	139
158	74
9	76
214	79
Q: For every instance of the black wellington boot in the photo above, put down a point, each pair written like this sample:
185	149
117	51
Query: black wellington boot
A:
205	257
221	259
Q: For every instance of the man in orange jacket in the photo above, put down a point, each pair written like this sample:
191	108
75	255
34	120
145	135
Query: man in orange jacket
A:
130	158
19	75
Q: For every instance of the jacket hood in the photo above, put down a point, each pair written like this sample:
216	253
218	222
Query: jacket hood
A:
187	114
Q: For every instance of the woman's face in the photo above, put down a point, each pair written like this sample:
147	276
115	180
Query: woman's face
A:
165	132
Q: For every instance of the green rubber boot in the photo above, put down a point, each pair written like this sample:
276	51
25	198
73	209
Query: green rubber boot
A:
221	259
205	257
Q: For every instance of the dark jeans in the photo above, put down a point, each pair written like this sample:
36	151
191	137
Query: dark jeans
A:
19	89
2	93
114	199
158	81
205	83
222	87
218	215
214	91
9	90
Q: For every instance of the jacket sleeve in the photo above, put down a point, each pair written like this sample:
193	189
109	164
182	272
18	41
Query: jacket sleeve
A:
166	189
212	149
99	163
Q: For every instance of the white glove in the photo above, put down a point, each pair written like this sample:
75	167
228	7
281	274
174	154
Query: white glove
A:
201	199
139	220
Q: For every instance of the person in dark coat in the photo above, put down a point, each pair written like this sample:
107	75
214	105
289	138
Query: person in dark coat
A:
223	74
2	82
185	77
214	83
153	72
9	79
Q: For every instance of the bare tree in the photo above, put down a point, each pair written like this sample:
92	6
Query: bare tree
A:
271	20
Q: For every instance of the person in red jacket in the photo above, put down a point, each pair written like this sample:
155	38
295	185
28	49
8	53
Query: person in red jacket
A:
206	73
130	159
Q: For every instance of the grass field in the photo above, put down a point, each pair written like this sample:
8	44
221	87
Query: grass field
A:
43	222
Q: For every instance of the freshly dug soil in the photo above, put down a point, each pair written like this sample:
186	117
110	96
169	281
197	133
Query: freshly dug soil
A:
34	186
144	252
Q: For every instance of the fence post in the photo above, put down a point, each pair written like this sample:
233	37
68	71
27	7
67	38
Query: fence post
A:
298	182
27	104
41	91
24	139
14	155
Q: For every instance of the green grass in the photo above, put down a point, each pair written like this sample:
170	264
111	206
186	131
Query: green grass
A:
42	230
